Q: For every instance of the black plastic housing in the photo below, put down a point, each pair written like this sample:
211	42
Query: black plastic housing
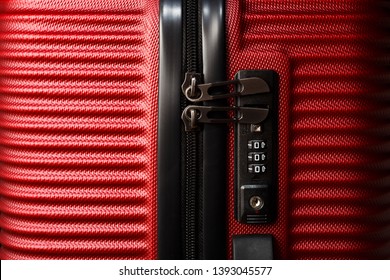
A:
257	179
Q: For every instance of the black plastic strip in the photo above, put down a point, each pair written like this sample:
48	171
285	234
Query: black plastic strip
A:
169	131
214	136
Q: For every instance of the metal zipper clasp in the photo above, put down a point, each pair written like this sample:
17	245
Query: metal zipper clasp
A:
196	92
194	114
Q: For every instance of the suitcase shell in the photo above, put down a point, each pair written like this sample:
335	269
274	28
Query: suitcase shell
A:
324	52
78	127
79	83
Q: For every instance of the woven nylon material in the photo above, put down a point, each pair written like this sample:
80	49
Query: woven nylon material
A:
78	129
322	211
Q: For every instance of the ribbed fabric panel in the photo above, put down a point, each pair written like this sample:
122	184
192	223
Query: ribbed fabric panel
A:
78	129
331	192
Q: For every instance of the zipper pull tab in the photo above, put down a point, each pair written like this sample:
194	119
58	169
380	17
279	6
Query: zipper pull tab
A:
196	92
190	84
192	115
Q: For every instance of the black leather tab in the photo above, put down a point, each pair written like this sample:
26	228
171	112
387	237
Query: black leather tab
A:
253	247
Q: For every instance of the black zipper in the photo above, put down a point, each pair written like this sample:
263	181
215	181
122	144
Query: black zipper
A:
192	144
191	178
192	204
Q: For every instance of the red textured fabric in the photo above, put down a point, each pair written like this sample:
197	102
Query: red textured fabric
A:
327	178
78	129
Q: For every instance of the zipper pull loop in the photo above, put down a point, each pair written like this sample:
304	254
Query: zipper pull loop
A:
189	86
192	115
192	89
211	91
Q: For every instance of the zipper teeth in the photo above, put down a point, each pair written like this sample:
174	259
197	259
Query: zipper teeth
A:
190	200
191	149
191	35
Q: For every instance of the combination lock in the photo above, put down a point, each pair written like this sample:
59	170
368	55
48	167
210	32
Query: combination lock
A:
256	151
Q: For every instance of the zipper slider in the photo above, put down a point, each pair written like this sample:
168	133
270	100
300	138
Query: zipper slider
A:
190	85
196	92
193	114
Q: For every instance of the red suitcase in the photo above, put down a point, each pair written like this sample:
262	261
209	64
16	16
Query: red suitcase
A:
78	129
332	170
96	162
